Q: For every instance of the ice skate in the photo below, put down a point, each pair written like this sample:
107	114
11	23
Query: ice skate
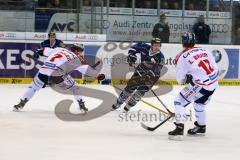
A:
127	107
198	130
82	106
177	133
20	105
115	106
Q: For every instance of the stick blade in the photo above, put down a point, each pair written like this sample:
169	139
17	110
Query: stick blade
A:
147	127
154	128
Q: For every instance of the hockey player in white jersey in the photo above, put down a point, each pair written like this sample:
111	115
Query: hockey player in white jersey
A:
55	72
196	67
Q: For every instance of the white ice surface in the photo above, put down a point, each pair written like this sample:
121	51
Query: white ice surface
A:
37	134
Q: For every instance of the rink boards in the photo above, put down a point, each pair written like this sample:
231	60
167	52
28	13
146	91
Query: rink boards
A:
18	67
223	82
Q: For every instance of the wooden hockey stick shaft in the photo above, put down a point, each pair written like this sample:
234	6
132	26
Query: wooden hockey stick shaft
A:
147	103
153	106
161	102
169	112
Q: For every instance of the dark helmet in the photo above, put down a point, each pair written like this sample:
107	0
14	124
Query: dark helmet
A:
51	34
77	47
188	38
155	40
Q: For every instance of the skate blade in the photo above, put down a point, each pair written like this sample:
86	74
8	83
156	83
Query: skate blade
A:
176	138
83	111
114	108
196	135
16	110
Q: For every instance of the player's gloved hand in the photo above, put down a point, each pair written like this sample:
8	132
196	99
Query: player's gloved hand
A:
188	78
101	77
96	64
131	59
38	52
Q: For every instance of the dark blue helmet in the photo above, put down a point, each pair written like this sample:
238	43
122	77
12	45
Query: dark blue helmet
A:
188	38
77	47
155	40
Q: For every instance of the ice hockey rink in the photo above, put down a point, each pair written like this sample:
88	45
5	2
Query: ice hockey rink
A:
37	134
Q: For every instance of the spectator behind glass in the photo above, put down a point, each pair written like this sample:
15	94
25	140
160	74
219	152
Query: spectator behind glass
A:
202	31
54	4
161	30
147	4
86	3
29	4
165	5
237	39
190	6
70	4
52	42
176	5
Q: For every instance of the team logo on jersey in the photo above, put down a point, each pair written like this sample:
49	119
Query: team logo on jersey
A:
50	65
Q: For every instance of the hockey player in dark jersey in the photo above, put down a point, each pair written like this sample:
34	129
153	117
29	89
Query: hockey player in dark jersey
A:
52	41
146	73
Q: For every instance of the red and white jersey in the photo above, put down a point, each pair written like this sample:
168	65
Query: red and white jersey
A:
199	63
61	61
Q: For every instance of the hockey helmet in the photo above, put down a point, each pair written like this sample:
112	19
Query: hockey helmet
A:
51	34
77	47
188	38
155	40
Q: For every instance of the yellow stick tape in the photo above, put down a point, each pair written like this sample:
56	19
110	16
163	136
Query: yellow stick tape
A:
151	105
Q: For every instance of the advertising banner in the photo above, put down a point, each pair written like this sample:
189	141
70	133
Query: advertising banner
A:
139	28
123	27
16	59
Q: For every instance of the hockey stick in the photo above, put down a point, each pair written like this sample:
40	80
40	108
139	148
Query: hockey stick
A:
154	128
169	112
95	65
161	102
147	103
153	106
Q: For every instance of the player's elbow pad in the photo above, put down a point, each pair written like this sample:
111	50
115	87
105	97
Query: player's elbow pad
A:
132	51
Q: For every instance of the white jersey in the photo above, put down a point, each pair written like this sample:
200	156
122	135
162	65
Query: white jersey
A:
200	64
61	61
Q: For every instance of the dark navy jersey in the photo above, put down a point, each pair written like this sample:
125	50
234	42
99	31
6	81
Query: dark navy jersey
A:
149	62
46	43
144	50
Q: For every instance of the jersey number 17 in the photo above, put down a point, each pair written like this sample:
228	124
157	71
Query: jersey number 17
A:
206	66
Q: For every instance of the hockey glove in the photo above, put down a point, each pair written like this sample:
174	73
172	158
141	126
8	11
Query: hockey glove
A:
188	78
38	52
101	77
131	59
